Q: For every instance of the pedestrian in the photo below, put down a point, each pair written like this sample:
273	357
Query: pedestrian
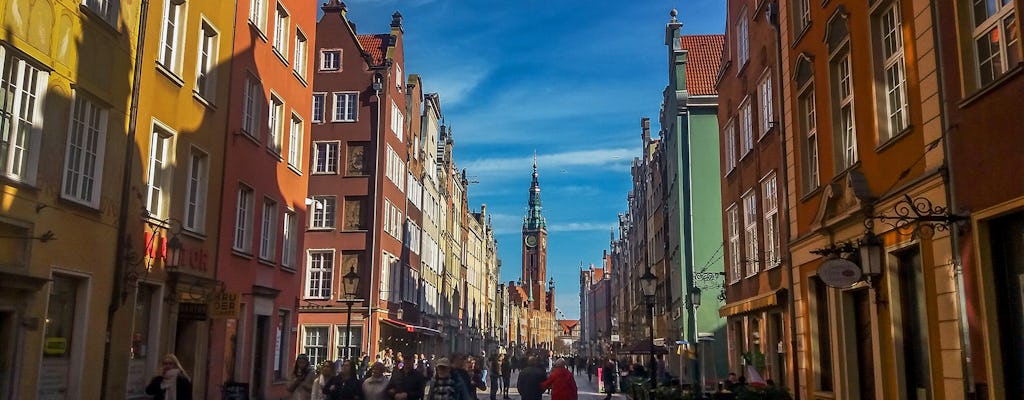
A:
561	382
301	384
364	363
590	371
530	379
730	384
406	383
506	374
375	385
610	376
326	373
345	385
476	372
445	385
171	381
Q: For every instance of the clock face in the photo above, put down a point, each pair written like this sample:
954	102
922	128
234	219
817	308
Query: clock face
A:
531	240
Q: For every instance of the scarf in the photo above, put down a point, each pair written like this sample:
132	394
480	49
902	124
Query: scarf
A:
170	384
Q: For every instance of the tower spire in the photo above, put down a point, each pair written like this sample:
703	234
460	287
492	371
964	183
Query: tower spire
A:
534	220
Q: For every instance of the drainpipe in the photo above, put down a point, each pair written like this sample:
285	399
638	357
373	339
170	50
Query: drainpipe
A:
371	304
773	18
951	204
117	293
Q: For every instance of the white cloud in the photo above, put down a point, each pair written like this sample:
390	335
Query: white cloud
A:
454	83
600	158
580	227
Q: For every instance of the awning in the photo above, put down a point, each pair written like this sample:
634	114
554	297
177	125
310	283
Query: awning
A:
411	328
758	302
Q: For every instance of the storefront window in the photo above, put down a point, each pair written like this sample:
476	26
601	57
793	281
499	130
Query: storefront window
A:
141	352
55	380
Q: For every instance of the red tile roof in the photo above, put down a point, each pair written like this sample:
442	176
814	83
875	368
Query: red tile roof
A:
568	325
375	45
704	56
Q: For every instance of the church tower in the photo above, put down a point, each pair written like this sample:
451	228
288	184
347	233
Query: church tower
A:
535	248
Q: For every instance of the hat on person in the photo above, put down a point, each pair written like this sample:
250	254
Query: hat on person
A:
443	362
302	357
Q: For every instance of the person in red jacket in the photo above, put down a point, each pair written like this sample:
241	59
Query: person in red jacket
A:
561	382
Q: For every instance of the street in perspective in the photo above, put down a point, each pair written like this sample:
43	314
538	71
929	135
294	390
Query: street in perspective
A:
492	200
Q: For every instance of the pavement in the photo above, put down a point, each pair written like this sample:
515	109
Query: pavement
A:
587	390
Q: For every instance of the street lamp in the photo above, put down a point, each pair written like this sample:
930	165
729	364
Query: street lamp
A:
174	249
350	283
649	284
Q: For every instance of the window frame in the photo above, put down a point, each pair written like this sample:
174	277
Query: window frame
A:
243	229
730	145
993	23
18	66
318	117
886	89
329	167
750	236
275	125
299	53
328	214
315	356
252	107
323	60
766	99
808	114
268	230
196	186
289	238
742	41
172	41
746	127
206	73
296	137
397	121
160	132
325	275
736	272
258	15
771	220
76	173
282	32
343	101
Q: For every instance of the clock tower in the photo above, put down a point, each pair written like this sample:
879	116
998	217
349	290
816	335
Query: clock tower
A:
535	248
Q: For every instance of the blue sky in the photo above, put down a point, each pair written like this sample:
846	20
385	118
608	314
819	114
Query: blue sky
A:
569	79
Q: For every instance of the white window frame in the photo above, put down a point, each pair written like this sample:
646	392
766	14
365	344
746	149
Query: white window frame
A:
395	168
765	100
346	107
994	25
330	64
397	121
160	164
322	343
258	14
892	103
730	146
319	280
275	124
24	119
807	111
802	15
318	115
750	239
172	26
295	143
772	223
845	125
746	128
301	60
268	230
289	238
244	210
342	333
252	107
206	61
733	229
323	163
323	215
196	191
108	10
282	28
742	40
86	145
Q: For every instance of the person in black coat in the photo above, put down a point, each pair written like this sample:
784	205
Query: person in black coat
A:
407	383
171	381
530	378
345	385
610	375
506	375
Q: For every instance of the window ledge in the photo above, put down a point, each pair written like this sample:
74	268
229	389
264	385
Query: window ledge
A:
800	36
202	100
301	78
896	138
79	204
247	135
992	86
258	31
343	120
767	132
269	263
288	269
295	169
241	253
321	229
323	173
170	74
807	196
276	153
193	234
103	21
277	52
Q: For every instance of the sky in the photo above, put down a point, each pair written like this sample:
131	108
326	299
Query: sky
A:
569	79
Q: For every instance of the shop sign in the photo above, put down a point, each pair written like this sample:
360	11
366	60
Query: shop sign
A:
615	338
839	273
193	311
55	346
224	305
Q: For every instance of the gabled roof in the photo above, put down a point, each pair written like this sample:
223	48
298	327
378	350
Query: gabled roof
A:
704	56
376	45
568	325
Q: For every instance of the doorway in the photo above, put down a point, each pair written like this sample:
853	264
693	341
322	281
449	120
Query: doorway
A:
8	348
259	358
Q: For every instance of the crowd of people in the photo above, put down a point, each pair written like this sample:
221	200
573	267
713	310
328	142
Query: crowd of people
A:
394	376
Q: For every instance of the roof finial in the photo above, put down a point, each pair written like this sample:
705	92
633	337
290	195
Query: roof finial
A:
674	13
534	160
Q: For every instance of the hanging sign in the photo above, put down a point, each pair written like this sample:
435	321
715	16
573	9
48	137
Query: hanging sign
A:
193	311
839	273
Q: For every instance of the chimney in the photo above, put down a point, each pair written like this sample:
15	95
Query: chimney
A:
396	21
330	6
645	126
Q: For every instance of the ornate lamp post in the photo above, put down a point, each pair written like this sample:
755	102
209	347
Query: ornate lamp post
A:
350	283
649	285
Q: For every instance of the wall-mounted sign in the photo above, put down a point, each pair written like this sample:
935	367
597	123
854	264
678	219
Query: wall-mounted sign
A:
224	305
55	346
839	273
193	311
615	338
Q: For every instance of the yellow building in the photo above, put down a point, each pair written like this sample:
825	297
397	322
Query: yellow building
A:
66	78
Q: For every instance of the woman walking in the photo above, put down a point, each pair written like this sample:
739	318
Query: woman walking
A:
374	386
344	386
561	382
171	381
301	384
326	373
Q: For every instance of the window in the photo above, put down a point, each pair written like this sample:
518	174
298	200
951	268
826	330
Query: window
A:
809	128
393	220
251	112
325	157
314	344
750	232
195	201
890	65
735	265
820	330
295	143
322	216
742	41
395	168
319	273
354	215
348	343
410	285
299	63
258	14
170	40
730	146
397	121
412	236
243	220
746	128
772	235
160	162
330	60
801	14
845	130
281	345
414	191
83	163
345	107
66	324
106	9
205	78
281	31
20	117
765	99
398	77
268	231
275	124
996	38
356	164
319	100
289	239
390	277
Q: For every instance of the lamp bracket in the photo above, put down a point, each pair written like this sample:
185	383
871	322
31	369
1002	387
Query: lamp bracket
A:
918	216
